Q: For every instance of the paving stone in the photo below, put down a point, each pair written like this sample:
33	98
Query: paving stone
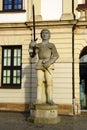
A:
18	121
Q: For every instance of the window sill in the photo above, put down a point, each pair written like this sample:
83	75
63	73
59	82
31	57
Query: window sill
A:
12	11
10	87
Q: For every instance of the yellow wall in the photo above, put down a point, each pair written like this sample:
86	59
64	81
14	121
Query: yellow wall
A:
62	90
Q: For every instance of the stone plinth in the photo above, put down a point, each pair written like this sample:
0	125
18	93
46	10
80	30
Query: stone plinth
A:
44	114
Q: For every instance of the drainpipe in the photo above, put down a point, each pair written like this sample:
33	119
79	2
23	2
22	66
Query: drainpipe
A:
73	76
73	62
73	9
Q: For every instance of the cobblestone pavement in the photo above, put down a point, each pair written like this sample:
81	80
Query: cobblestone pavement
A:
17	121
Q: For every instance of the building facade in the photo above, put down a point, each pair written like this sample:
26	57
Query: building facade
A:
17	69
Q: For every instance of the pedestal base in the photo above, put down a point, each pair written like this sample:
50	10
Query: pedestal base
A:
44	114
67	16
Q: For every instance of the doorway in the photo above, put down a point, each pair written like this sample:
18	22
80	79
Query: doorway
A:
83	79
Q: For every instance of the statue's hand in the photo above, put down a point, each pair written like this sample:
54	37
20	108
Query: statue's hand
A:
32	48
46	64
32	44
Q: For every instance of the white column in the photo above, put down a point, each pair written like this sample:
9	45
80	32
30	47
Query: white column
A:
67	10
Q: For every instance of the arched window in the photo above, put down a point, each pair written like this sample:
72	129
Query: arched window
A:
51	9
83	55
83	79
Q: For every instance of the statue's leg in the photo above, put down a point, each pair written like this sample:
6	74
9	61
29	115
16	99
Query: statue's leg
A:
44	92
40	79
48	76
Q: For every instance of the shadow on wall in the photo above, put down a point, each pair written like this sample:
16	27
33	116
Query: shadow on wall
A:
29	83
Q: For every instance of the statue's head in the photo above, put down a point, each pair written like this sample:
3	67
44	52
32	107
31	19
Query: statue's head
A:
45	34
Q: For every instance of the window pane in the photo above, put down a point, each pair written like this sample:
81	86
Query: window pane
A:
9	52
5	52
4	80
19	61
6	7
7	1
16	77
8	80
8	73
6	76
17	1
17	6
15	62
4	73
19	52
9	7
7	4
83	58
17	57
15	52
14	80
16	73
7	57
18	80
7	61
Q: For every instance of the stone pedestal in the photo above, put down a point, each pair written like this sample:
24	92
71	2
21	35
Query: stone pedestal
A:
44	114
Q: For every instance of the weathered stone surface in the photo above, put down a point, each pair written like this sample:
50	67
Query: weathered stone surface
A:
44	114
44	120
44	106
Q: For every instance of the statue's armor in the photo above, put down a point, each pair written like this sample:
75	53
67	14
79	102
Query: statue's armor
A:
46	52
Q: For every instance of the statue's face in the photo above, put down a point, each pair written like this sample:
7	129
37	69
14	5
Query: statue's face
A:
45	34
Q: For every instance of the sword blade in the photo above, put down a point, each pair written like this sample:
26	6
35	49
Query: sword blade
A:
33	9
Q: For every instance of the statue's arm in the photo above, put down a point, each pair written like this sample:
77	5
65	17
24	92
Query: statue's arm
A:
54	55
